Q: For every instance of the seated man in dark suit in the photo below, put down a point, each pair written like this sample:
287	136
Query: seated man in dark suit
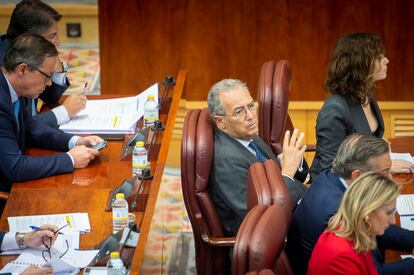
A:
356	155
237	146
28	67
36	17
13	240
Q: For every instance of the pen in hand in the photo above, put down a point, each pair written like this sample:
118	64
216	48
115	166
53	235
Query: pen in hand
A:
36	228
84	88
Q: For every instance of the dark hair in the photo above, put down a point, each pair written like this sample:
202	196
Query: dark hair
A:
352	64
31	49
355	153
31	16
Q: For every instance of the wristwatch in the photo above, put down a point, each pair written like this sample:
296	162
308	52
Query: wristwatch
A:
20	240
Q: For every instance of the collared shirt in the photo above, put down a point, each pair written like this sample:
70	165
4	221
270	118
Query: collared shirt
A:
246	143
345	184
15	97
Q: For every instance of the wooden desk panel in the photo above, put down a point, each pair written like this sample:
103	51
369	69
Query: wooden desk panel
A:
87	189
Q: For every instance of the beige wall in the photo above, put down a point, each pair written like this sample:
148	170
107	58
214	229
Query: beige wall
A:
87	15
303	114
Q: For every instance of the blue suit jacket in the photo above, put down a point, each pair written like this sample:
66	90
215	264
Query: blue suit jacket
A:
320	202
14	165
50	95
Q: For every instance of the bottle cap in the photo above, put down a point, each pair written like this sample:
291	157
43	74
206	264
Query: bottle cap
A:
119	195
150	97
114	254
139	143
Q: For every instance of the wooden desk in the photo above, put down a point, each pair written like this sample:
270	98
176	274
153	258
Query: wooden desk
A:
87	189
401	145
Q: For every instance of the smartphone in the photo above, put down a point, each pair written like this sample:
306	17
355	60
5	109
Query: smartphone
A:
100	145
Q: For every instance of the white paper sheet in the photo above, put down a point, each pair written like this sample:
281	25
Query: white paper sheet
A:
403	156
78	222
405	205
110	116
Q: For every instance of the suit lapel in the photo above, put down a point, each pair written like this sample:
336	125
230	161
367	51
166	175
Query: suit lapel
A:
378	115
358	117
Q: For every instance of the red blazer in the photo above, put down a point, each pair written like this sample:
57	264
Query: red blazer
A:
336	255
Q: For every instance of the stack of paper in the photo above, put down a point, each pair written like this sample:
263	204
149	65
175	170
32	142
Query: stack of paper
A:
405	207
70	263
110	116
78	222
403	156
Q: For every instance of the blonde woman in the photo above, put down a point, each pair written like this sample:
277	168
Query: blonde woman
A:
366	210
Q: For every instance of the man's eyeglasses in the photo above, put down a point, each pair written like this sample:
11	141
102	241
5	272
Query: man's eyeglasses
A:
390	211
47	242
241	112
48	77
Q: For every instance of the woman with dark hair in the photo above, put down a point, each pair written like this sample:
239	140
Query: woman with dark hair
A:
357	62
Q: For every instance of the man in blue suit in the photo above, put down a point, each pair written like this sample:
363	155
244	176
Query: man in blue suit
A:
357	154
36	17
13	241
28	66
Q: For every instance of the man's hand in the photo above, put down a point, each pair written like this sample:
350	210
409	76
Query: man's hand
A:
89	141
74	104
292	154
35	238
82	155
34	270
401	166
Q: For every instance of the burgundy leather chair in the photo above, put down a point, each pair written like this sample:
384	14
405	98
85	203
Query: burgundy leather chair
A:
261	272
273	95
265	186
197	149
260	241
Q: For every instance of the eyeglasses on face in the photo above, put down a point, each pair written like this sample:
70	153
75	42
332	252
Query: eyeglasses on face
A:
47	76
241	112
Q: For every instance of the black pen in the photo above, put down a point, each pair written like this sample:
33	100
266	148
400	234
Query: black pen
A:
84	88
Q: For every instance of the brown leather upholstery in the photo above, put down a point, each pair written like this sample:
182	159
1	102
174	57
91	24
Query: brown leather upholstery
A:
261	272
197	149
260	240
273	95
265	186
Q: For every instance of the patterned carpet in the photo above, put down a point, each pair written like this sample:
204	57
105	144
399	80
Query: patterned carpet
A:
83	67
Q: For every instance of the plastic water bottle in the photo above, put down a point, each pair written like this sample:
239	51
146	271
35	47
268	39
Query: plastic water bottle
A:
119	213
115	266
139	158
150	111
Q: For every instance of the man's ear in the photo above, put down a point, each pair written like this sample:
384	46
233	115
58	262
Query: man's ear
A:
355	174
21	69
219	121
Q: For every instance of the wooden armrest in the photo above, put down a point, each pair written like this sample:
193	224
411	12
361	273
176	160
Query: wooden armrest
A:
213	241
4	196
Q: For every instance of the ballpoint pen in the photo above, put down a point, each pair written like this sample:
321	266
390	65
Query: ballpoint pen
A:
84	88
36	228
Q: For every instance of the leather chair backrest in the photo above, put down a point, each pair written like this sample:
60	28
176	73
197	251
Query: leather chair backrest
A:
273	95
265	186
197	150
260	239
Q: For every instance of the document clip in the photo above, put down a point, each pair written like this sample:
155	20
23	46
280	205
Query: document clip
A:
129	145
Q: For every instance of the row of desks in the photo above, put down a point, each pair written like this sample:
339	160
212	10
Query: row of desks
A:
87	189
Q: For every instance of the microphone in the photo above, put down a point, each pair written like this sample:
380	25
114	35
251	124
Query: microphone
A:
168	82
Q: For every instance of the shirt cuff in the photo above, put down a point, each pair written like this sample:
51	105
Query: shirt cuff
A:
9	242
300	168
283	174
72	142
59	78
71	158
61	114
